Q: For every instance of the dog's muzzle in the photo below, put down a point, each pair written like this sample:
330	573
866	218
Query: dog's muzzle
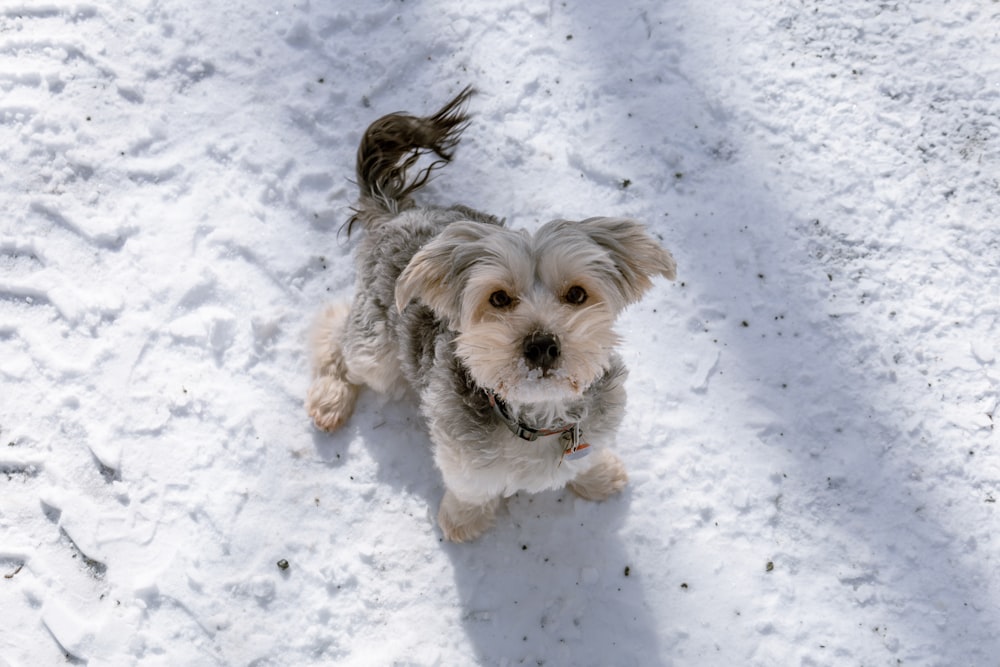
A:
541	351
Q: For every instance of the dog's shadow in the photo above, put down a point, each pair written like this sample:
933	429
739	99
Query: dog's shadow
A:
551	583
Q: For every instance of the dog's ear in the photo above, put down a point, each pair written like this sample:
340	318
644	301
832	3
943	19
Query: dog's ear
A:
436	273
636	254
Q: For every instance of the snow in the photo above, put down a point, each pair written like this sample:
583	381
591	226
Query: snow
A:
810	433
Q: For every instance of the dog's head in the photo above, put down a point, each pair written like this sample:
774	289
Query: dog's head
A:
535	314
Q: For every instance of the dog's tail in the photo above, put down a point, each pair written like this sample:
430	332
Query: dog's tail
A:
392	145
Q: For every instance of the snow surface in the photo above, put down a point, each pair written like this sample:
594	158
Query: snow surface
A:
810	434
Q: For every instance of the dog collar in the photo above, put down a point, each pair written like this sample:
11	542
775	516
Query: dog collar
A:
574	447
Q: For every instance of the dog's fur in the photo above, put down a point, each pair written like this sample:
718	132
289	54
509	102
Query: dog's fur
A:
470	314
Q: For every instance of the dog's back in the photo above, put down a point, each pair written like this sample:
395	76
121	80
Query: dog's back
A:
395	228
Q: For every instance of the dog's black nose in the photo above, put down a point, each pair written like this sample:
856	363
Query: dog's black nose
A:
541	350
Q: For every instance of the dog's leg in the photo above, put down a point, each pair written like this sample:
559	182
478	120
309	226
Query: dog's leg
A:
372	359
604	479
463	521
331	396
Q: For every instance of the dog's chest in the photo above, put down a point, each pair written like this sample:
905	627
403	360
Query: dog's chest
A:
534	466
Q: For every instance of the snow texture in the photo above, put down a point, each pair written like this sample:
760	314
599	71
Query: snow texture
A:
811	427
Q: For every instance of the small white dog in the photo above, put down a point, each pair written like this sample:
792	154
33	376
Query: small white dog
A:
506	336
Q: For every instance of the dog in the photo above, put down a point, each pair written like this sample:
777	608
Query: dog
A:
507	337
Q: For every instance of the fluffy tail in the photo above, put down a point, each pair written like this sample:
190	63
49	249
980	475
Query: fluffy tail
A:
392	145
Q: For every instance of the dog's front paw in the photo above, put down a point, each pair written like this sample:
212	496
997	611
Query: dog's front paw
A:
602	480
464	522
331	401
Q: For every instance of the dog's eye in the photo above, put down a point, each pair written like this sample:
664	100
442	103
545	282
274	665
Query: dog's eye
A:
500	299
575	295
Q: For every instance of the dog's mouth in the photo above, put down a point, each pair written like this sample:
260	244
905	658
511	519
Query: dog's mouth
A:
533	384
536	374
556	377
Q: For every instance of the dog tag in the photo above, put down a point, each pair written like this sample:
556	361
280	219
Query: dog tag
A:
574	448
